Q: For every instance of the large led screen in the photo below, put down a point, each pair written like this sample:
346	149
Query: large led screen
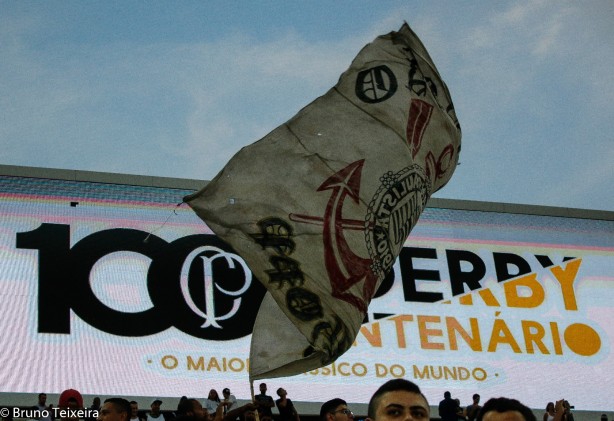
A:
115	290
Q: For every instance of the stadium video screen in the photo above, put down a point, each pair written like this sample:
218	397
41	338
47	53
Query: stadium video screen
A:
113	290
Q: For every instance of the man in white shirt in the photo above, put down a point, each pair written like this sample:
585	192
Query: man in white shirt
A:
229	401
45	412
155	414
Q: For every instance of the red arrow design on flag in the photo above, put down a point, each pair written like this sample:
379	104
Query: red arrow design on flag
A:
345	268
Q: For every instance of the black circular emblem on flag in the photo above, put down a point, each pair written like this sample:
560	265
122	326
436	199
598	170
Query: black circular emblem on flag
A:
392	213
375	84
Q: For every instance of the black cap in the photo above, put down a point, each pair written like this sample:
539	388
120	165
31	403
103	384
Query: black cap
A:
226	390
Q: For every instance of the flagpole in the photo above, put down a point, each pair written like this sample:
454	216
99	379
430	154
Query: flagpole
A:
251	388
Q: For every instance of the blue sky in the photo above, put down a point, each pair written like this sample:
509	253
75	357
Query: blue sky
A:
174	89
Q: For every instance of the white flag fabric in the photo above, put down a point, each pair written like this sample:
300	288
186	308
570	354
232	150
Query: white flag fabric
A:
321	206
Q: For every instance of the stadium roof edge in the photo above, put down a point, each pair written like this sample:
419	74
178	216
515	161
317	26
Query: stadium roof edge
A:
193	184
101	177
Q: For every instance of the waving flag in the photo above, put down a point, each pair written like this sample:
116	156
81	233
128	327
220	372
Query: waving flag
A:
321	206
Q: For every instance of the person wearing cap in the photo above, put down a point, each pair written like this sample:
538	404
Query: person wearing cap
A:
70	401
70	398
155	414
229	401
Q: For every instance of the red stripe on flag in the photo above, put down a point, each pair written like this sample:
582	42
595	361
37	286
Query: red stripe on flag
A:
419	117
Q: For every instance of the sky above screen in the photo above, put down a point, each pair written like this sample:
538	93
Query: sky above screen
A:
175	89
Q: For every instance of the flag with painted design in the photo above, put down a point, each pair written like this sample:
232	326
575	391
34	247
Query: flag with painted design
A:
321	206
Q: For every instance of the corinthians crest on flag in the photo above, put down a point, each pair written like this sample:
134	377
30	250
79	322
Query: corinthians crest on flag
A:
321	207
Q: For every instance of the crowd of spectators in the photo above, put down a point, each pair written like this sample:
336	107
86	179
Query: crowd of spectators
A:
71	408
403	395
